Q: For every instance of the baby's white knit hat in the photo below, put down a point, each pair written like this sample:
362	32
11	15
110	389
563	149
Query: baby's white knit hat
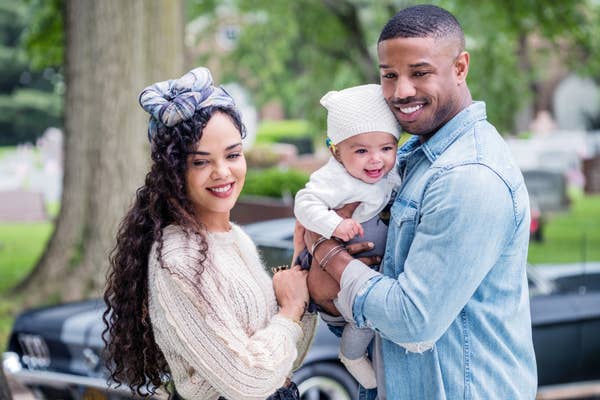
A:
358	110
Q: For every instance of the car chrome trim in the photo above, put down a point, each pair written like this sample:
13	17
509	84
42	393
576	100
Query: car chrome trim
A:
61	381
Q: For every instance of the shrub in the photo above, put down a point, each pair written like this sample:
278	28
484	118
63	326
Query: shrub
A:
292	131
25	114
273	131
274	182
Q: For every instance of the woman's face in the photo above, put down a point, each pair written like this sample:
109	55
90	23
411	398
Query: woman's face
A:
216	171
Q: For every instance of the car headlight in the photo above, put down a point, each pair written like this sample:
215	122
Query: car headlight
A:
11	362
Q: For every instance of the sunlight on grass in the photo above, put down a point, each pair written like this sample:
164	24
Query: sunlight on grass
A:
21	245
573	236
4	150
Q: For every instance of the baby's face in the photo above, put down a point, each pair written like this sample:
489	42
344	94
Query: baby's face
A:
368	156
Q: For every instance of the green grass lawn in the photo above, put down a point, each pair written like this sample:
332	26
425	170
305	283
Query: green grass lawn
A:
21	244
573	236
20	247
6	150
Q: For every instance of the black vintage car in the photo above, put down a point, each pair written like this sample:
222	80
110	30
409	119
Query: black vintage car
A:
55	351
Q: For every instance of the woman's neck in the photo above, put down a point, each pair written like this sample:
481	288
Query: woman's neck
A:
216	222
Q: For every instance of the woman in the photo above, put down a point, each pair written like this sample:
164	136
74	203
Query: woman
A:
188	298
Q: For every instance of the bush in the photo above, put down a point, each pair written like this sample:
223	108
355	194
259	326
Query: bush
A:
273	131
26	113
292	131
274	182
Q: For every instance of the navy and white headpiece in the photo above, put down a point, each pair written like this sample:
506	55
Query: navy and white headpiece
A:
170	102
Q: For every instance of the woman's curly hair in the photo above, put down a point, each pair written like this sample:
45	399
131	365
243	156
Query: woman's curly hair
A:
132	355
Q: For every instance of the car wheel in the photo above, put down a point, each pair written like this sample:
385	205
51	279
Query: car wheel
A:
325	381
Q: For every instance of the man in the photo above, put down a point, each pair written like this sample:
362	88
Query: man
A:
451	303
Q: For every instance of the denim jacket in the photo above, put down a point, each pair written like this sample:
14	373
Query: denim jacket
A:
452	303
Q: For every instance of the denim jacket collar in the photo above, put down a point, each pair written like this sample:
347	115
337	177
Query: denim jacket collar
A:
447	134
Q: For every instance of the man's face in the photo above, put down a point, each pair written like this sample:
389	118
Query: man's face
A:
423	82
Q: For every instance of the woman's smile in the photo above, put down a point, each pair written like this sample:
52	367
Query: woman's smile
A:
222	191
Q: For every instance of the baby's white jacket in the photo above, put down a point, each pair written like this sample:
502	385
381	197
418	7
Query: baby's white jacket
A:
330	187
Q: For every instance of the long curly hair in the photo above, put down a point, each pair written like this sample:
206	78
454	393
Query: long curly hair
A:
132	356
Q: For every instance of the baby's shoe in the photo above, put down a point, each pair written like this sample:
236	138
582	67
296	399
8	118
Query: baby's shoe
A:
362	370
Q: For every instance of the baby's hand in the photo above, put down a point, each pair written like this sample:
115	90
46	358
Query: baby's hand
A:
347	229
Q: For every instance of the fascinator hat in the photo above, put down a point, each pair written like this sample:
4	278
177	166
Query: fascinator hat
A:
173	101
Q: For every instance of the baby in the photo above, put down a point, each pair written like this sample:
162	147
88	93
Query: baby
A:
362	138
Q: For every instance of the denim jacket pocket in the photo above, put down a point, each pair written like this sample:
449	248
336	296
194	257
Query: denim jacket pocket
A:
401	233
404	215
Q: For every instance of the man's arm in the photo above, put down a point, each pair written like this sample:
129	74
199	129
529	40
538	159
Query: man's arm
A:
466	215
322	286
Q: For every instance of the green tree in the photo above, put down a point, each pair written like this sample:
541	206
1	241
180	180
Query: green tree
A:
30	99
296	51
512	42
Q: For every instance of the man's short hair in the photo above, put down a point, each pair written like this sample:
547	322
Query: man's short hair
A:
423	21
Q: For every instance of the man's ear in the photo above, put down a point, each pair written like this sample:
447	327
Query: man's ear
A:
461	66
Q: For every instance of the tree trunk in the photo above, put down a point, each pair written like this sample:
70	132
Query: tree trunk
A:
114	49
4	389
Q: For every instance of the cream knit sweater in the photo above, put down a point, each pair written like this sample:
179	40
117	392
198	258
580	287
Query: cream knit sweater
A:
222	337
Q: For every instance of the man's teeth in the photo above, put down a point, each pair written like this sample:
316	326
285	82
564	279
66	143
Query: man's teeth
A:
221	189
409	110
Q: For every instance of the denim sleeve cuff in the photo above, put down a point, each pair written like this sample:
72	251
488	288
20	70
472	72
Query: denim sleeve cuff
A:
354	285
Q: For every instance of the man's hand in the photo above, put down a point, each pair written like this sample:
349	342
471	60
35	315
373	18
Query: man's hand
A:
298	241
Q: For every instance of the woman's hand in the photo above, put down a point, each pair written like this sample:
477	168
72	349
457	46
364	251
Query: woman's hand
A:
298	241
291	292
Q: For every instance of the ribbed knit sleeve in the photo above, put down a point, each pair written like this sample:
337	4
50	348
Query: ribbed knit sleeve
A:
221	336
237	365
